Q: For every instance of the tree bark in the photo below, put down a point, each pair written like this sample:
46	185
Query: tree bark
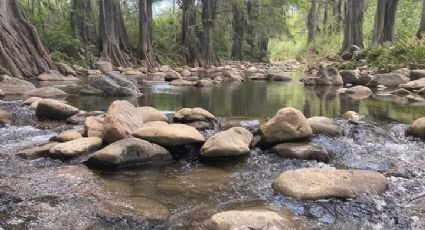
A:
238	25
311	21
83	22
252	17
422	25
353	28
21	51
384	21
146	52
209	57
188	32
114	39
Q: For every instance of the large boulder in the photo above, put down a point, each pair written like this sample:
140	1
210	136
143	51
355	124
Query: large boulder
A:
150	114
350	76
5	118
114	84
121	120
232	142
129	151
46	92
169	135
287	125
417	128
324	125
187	115
327	75
318	183
416	84
93	126
388	79
76	147
38	151
250	219
301	151
66	136
55	110
14	86
53	75
359	92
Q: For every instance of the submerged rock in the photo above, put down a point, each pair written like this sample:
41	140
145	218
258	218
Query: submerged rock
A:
327	75
128	152
232	142
317	183
324	125
5	118
66	136
288	124
169	135
14	86
417	128
359	92
76	147
301	151
55	110
251	219
121	120
188	115
38	151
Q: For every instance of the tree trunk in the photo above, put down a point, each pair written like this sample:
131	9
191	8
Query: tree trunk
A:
208	16
188	32
114	39
353	28
252	17
311	21
146	52
384	21
238	25
21	52
422	25
83	22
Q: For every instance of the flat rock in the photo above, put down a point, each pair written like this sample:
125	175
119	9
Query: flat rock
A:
359	92
55	110
14	86
129	151
38	151
352	117
388	79
417	74
66	136
188	115
182	82
417	84
317	183
324	125
76	147
46	92
301	151
53	75
229	143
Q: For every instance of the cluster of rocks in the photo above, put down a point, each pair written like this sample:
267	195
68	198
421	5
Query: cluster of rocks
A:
401	85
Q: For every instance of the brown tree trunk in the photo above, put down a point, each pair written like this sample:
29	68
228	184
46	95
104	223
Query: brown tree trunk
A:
21	52
238	25
209	57
353	28
82	21
311	21
114	39
188	32
422	25
252	17
146	52
384	21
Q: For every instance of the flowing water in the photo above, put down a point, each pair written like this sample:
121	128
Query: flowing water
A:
51	194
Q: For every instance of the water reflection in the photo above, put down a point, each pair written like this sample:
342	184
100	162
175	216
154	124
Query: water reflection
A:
259	100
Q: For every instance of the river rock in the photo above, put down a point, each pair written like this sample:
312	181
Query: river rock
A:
324	125
352	117
150	114
204	83
121	120
93	126
350	76
421	92
277	77
250	219
66	136
257	76
53	75
169	135
37	151
76	147
66	69
201	125
128	152
317	183
388	79
327	75
104	66
364	79
417	128
79	118
185	73
287	125
301	151
55	110
14	86
114	84
229	143
31	100
5	118
2	94
401	92
187	115
359	92
417	74
172	75
46	92
182	82
417	84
